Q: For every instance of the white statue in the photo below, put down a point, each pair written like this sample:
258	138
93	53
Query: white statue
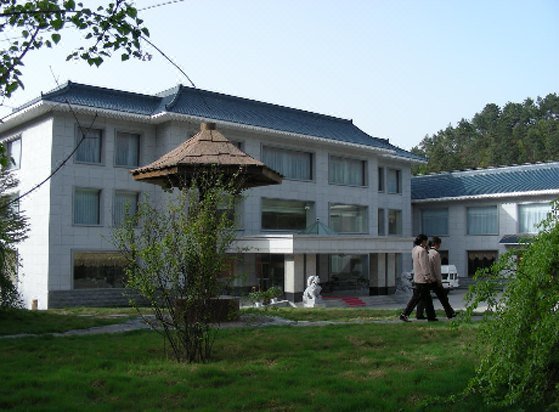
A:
311	295
404	283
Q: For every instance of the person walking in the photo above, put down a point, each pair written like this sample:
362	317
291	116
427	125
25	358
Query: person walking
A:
437	286
422	279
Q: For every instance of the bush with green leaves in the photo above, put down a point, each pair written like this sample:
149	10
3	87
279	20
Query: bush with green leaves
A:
176	255
265	296
520	361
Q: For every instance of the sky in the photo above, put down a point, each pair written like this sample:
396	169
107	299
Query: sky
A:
400	69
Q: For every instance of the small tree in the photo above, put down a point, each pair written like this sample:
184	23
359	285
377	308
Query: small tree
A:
175	258
519	340
13	229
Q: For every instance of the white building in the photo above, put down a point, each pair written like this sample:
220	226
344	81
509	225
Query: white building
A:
356	184
480	213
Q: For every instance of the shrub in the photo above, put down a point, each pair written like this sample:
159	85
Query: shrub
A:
520	366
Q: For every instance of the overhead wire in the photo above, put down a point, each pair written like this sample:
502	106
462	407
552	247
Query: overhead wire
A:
82	130
167	3
61	164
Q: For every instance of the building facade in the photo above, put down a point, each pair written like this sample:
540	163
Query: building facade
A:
87	139
479	214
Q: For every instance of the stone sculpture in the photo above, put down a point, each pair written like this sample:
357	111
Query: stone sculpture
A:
311	295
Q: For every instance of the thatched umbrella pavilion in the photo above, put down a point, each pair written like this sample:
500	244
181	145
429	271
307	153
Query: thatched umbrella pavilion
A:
206	150
207	154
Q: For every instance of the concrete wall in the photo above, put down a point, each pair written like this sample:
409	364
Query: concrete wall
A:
36	151
65	238
93	298
458	242
48	253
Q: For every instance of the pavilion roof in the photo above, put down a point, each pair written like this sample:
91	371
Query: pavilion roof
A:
208	148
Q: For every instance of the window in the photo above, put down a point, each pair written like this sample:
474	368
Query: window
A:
125	204
348	272
89	150
480	259
348	218
482	220
381	222
280	214
270	270
531	215
127	149
381	179
434	222
233	209
444	256
87	206
344	171
94	270
13	149
291	164
237	144
394	181
394	222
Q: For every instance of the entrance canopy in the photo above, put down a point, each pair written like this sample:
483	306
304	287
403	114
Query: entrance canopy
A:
318	228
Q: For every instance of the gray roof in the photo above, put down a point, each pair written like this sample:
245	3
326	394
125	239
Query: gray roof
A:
207	105
540	177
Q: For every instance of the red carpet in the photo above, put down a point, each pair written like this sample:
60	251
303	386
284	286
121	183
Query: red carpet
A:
353	301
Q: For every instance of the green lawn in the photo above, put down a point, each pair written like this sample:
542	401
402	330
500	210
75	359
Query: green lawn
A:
25	321
333	314
355	367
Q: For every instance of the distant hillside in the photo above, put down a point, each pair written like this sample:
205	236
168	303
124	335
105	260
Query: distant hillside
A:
518	133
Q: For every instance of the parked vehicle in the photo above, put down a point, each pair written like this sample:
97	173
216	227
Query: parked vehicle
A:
449	276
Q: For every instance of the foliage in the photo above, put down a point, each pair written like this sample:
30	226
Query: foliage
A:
520	361
265	296
35	24
175	258
518	133
13	229
4	159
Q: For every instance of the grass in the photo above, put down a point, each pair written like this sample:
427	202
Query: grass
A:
14	322
354	367
324	314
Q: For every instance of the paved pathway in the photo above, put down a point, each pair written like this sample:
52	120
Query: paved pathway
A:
397	301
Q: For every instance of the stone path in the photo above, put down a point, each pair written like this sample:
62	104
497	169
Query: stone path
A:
246	321
456	298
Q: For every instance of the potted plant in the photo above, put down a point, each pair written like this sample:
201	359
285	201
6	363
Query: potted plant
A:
255	296
263	298
273	293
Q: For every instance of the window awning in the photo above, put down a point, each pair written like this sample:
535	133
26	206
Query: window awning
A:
516	239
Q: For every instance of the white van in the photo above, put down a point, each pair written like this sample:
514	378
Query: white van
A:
449	276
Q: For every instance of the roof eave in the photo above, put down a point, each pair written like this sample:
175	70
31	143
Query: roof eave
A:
15	119
488	196
43	106
389	153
